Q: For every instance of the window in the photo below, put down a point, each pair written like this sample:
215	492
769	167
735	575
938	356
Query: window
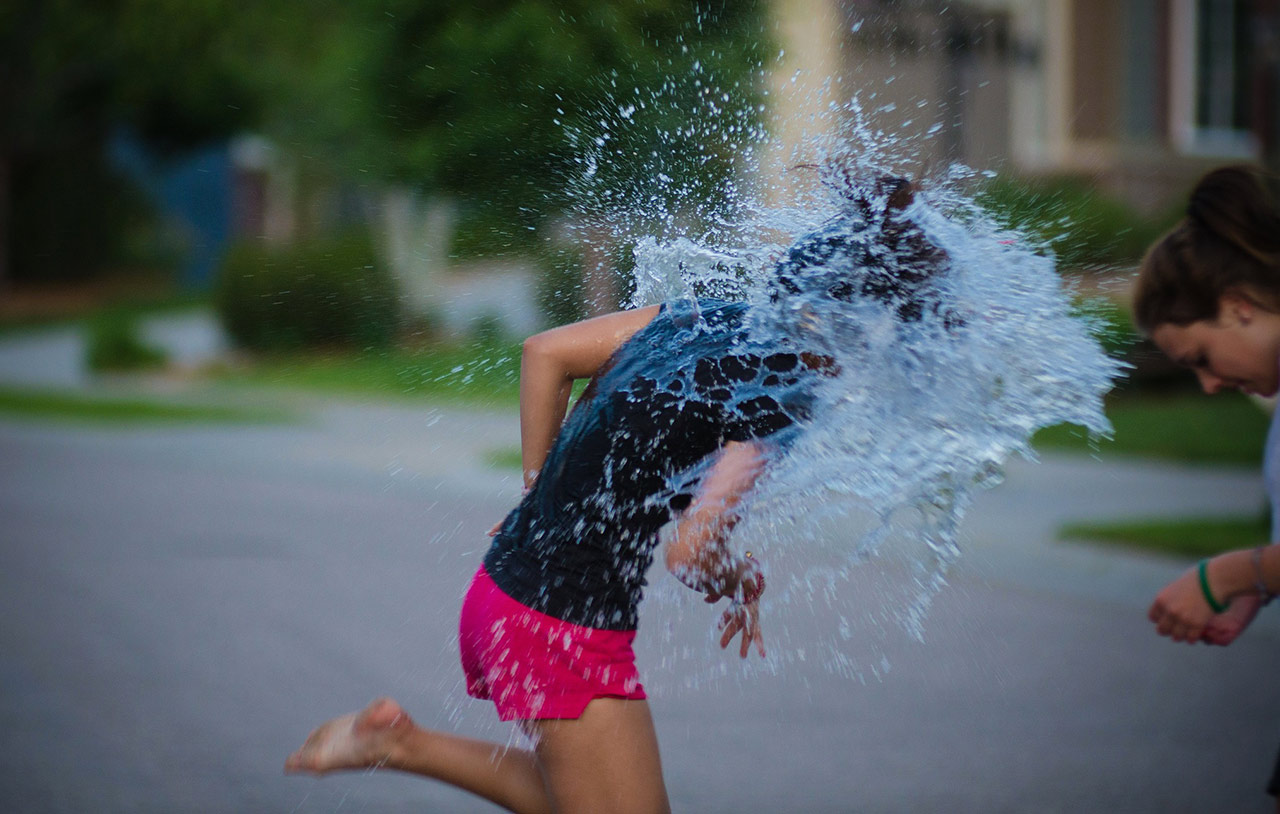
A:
1211	58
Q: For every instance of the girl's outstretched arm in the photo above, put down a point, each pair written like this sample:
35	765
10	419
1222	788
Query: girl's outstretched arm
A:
698	553
550	363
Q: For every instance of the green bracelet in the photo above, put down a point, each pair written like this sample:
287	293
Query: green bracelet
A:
1217	606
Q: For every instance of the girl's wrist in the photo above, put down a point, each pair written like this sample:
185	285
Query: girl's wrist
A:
1231	575
1260	582
750	580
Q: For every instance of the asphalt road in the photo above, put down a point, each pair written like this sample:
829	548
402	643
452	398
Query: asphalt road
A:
179	606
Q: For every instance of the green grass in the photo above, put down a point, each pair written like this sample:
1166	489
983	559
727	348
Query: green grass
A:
1190	537
475	375
481	375
51	405
1188	427
507	458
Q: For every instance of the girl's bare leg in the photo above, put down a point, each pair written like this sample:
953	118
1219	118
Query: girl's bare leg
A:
383	736
606	760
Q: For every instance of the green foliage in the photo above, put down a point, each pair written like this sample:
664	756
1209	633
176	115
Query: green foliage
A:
47	405
1080	224
115	344
487	332
1111	323
468	373
179	72
1190	537
315	295
505	458
492	230
479	100
186	72
470	99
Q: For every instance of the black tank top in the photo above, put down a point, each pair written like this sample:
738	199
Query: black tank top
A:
628	457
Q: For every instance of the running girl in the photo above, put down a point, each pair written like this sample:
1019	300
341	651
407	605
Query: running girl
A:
686	406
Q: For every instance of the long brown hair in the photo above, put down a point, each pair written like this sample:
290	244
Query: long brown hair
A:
1228	243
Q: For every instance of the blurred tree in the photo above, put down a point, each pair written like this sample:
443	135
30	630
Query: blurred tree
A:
178	72
470	99
479	100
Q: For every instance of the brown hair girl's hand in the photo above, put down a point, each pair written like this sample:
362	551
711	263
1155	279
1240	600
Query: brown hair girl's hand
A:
1180	610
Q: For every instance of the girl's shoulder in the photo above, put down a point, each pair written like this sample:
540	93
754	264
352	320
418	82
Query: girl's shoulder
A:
702	312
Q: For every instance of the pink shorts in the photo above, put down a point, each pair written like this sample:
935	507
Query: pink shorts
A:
532	665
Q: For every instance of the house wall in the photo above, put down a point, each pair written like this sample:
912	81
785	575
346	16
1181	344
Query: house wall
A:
1100	88
910	66
1116	88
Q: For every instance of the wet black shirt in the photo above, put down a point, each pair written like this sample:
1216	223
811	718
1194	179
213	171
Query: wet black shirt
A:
578	546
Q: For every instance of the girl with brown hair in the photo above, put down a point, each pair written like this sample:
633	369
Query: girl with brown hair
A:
1208	295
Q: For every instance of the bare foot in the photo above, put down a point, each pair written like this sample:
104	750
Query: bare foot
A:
361	740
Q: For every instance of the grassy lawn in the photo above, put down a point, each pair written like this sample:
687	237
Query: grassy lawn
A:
1188	427
59	406
507	458
466	374
1190	537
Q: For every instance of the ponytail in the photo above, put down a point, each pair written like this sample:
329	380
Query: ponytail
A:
1232	204
1229	242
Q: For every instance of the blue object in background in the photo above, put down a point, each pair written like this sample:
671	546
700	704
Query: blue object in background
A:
193	193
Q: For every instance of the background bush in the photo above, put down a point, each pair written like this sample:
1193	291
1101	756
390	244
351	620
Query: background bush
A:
1080	224
114	343
314	295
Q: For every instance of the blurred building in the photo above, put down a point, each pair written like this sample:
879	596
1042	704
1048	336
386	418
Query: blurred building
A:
1141	95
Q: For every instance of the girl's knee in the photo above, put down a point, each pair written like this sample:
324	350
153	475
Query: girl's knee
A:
605	760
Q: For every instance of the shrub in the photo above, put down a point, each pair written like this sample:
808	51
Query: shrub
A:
1083	226
114	344
1111	324
314	295
1148	369
487	331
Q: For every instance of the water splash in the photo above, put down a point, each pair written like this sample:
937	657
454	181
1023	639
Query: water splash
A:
924	410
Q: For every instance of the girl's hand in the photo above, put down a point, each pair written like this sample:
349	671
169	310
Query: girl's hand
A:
1180	610
743	613
744	617
1225	627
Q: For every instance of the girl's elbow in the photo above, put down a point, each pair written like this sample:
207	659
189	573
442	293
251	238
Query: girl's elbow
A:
679	557
536	346
673	558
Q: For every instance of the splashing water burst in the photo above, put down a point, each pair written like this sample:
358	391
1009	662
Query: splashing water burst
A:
927	393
